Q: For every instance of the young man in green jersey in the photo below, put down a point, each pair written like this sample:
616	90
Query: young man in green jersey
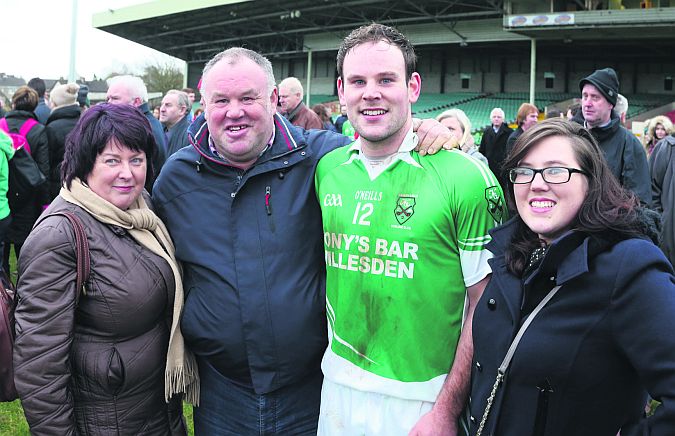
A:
404	239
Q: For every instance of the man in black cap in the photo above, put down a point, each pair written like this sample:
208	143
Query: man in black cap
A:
622	149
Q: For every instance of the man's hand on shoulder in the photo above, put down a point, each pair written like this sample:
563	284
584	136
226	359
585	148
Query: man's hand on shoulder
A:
433	136
435	423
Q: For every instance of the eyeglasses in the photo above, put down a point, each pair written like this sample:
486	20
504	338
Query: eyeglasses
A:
552	175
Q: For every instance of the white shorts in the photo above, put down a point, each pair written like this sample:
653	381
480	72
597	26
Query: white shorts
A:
346	412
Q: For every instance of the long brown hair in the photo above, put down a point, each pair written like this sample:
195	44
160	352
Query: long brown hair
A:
607	205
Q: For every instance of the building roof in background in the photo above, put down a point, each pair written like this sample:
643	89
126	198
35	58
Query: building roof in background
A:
198	29
11	81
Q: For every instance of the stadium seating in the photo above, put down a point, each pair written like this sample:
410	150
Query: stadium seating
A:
322	98
477	106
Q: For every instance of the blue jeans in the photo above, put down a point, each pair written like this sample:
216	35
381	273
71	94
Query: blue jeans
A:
226	408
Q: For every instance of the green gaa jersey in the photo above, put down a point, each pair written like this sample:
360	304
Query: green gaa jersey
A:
402	243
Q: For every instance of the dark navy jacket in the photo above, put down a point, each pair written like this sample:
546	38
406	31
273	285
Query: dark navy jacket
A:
584	363
160	139
178	135
252	251
493	147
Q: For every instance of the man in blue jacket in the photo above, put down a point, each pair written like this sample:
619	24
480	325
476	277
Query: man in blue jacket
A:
241	209
174	114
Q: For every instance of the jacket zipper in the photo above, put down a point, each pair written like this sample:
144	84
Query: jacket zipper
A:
268	195
545	389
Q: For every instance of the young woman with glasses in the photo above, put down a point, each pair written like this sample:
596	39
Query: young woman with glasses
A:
585	363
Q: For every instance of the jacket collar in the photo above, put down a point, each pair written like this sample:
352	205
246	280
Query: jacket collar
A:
502	128
668	140
293	113
604	132
180	125
20	114
569	252
569	255
70	111
145	108
403	154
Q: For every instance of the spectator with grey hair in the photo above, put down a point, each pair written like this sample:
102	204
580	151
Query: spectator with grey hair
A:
621	107
174	114
132	91
493	142
292	107
241	208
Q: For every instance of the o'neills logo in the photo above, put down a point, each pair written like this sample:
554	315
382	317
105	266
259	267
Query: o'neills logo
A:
405	208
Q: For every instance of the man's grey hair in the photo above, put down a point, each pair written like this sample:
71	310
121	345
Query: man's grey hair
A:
134	84
621	106
499	111
234	55
183	99
294	86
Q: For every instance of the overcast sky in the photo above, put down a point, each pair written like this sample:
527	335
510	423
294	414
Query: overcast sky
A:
37	40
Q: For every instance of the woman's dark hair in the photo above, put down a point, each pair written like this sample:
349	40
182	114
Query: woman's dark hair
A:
25	99
38	85
121	123
607	205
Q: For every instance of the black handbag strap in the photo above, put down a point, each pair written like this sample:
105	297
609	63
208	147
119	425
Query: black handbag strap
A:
83	257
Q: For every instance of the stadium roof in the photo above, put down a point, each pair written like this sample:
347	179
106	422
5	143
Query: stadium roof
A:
195	30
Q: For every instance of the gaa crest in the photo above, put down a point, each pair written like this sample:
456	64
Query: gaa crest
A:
495	203
405	208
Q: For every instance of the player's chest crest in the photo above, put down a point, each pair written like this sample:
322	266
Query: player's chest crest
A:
405	208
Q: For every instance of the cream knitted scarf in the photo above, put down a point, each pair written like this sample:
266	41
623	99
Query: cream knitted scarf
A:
147	229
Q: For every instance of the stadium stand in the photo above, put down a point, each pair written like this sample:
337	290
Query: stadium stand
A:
472	55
